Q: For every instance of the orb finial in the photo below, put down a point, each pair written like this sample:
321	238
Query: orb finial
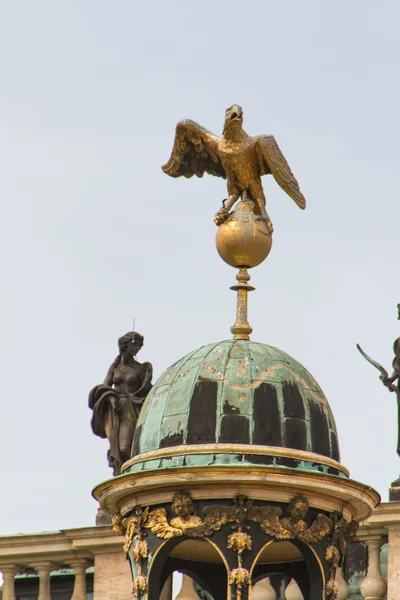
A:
243	241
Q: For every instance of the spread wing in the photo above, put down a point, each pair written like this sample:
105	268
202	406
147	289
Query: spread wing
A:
158	523
321	526
269	521
272	161
195	152
215	517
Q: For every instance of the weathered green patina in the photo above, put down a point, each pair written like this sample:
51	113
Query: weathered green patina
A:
236	392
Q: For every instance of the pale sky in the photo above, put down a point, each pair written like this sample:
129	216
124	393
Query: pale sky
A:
93	233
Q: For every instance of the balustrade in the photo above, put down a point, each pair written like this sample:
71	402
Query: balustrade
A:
373	587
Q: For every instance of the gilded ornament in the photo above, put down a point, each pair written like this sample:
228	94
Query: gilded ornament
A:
118	528
184	521
139	587
140	550
239	577
237	157
130	526
332	555
239	542
331	590
293	526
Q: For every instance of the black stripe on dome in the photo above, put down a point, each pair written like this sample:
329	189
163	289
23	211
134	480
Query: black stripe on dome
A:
267	417
293	405
335	454
235	429
295	434
203	413
319	430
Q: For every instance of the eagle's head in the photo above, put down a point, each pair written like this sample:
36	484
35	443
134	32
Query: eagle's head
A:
233	119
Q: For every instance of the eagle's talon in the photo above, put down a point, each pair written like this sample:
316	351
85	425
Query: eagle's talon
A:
221	216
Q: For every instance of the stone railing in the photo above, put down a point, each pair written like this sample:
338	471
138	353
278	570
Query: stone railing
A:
76	548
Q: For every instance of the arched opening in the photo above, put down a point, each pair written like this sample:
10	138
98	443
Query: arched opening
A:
199	559
286	564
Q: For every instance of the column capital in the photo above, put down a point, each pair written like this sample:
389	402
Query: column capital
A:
43	566
76	563
375	541
11	569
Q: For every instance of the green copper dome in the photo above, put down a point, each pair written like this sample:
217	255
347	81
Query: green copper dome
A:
236	402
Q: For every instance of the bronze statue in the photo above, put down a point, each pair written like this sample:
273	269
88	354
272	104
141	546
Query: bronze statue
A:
117	402
387	380
237	157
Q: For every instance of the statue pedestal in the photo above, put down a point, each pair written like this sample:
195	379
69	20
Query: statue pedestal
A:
394	491
102	518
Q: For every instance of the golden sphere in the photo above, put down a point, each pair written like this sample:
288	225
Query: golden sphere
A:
243	240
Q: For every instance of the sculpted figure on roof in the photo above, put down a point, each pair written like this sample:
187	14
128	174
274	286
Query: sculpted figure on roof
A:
116	403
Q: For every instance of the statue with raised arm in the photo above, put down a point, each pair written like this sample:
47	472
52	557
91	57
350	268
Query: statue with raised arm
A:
389	380
237	157
116	403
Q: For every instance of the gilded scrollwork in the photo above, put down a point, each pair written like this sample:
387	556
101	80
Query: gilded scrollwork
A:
269	518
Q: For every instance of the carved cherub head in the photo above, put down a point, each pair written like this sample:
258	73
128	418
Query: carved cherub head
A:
183	505
298	507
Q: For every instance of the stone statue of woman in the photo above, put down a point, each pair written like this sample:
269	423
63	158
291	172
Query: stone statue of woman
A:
117	402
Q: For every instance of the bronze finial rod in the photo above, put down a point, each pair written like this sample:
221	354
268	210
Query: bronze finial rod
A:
241	329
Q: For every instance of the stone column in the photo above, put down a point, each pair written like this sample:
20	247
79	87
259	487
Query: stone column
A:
343	592
79	566
9	573
43	569
293	591
374	586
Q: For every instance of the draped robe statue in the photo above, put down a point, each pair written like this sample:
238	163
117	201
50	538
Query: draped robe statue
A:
116	403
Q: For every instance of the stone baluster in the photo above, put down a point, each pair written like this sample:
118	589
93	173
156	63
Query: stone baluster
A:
43	569
263	590
293	591
373	586
187	590
9	573
343	592
79	566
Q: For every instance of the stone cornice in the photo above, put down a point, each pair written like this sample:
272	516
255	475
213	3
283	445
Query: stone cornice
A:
60	547
384	518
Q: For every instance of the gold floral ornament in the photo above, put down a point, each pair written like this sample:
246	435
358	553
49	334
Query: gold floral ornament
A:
239	577
331	590
139	587
140	550
239	542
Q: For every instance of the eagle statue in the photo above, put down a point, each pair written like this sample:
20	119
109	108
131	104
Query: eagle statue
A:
237	157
